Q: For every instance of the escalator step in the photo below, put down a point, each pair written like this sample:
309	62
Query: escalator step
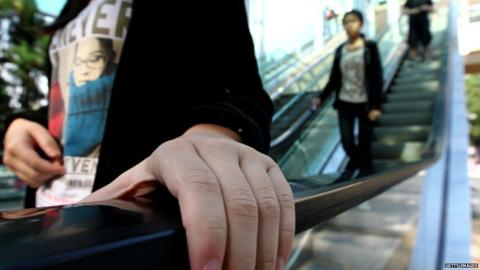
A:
410	73
407	151
405	119
400	97
392	135
430	65
408	107
415	78
416	86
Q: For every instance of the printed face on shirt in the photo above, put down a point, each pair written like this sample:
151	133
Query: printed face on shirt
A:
90	61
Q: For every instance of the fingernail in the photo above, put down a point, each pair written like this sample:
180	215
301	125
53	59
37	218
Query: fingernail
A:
280	263
213	264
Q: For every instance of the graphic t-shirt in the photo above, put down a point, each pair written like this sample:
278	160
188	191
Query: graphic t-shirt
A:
352	65
84	56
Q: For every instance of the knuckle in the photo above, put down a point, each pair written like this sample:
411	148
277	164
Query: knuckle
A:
32	163
288	232
33	176
176	145
271	164
216	226
241	202
286	200
6	159
35	165
10	150
262	159
202	180
217	143
268	204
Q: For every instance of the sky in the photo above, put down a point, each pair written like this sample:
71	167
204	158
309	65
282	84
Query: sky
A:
51	6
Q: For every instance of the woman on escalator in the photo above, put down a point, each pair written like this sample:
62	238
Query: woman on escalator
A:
357	80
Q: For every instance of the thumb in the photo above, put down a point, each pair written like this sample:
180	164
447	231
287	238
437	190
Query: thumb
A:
135	182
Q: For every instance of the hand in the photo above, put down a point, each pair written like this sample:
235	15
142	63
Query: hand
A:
316	102
237	208
425	8
413	11
373	115
22	139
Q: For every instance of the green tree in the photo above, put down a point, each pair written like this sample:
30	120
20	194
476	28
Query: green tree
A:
473	96
22	53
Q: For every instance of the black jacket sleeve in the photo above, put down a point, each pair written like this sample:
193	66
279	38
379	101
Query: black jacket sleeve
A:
376	77
40	116
334	82
241	104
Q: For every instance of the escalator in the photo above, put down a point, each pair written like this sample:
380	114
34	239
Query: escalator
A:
293	114
409	137
403	131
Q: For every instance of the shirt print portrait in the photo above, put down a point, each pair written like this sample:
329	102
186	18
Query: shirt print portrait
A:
84	57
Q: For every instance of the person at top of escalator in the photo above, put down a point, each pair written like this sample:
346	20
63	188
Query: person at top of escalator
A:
356	79
137	101
419	26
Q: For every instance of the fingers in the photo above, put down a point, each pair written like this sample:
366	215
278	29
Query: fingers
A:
374	115
26	174
240	204
237	208
198	191
134	182
287	215
268	208
30	167
29	157
46	142
20	156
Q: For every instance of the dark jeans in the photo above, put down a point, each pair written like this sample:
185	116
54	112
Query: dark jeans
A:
360	154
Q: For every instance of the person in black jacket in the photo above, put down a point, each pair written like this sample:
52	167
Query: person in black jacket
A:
356	79
419	26
186	109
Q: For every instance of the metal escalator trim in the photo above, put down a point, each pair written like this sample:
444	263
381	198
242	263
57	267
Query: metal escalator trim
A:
298	76
285	107
317	205
294	127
